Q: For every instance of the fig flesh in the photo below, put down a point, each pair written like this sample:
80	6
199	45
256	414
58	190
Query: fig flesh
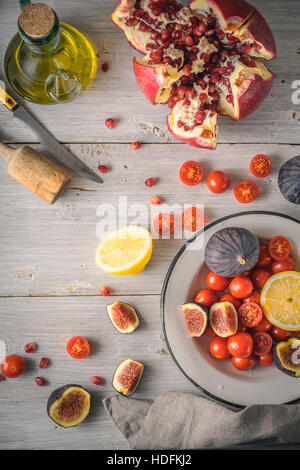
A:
127	377
196	319
69	405
287	356
123	317
223	319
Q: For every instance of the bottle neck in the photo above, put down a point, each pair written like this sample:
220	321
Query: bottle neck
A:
43	45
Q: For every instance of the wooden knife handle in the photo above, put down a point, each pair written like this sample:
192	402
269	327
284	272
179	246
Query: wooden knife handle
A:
8	100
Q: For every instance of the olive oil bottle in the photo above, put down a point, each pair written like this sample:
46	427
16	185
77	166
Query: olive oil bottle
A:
48	62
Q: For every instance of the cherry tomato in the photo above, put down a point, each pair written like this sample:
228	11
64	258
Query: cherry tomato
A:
280	335
192	219
210	332
287	264
264	257
13	366
262	343
279	248
217	182
259	277
246	191
266	360
206	297
264	326
250	314
261	166
241	287
254	297
229	298
245	363
164	224
216	282
218	348
191	173
240	344
78	347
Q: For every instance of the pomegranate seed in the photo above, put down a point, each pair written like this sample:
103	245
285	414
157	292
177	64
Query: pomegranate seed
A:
105	291
187	69
156	11
96	380
205	57
180	124
186	128
229	98
155	201
200	116
186	102
103	169
171	103
110	123
150	182
246	48
104	67
189	41
203	97
135	145
165	35
30	347
43	363
40	381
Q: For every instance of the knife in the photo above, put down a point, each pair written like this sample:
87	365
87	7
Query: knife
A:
60	153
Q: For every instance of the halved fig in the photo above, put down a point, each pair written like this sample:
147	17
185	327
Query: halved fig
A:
196	319
123	317
69	405
223	319
287	357
127	377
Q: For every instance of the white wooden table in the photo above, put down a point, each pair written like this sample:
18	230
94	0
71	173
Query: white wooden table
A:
49	283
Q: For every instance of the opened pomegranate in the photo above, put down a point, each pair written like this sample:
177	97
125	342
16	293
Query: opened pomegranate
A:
202	60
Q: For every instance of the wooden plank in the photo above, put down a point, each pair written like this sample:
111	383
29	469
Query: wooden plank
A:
116	94
50	322
49	250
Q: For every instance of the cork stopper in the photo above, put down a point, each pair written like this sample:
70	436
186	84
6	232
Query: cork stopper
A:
37	20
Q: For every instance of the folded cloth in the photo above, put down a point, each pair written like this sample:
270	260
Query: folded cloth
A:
186	421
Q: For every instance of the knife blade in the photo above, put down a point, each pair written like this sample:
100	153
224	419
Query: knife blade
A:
57	150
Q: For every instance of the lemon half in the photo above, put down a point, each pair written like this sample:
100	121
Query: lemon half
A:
125	251
280	300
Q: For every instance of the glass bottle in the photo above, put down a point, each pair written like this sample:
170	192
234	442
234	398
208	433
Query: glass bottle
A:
48	62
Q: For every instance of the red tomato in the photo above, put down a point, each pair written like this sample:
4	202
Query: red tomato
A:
280	335
240	344
259	277
78	347
229	298
246	191
164	224
262	343
210	332
245	363
287	264
217	182
206	297
264	326
191	173
240	287
254	297
261	166
13	366
218	348
279	248
266	360
264	257
250	314
192	219
216	282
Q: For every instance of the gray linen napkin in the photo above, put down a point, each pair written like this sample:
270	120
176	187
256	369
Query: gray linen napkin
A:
186	421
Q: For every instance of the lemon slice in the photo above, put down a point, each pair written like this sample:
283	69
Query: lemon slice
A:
125	251
280	300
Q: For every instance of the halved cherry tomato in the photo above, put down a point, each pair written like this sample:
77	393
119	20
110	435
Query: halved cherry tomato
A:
250	314
241	287
210	332
264	257
264	326
191	173
261	166
192	219
246	191
206	297
245	363
229	298
240	344
259	277
287	264
279	248
254	297
280	335
164	224
216	282
13	366
266	360
217	182
262	343
218	348
78	347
